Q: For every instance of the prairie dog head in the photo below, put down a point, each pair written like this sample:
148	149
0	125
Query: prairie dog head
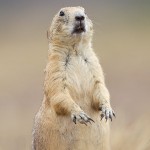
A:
70	24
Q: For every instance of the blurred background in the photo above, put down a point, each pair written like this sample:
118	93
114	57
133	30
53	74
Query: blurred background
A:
122	42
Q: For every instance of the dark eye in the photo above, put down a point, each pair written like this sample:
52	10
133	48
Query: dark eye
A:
61	13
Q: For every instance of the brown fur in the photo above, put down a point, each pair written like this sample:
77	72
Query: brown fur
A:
74	84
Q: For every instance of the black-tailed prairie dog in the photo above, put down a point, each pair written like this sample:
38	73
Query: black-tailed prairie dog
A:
75	96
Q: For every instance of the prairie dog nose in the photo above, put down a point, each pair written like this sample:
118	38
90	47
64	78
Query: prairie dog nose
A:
79	18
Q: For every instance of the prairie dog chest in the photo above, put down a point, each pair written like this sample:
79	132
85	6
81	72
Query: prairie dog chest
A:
79	74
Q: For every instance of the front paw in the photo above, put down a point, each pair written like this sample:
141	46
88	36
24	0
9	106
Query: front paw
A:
107	112
81	117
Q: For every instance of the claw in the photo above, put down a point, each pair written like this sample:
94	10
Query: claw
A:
90	119
102	116
81	117
114	114
83	122
110	117
106	118
107	114
74	119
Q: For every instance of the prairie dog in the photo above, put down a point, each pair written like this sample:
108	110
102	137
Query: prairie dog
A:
76	103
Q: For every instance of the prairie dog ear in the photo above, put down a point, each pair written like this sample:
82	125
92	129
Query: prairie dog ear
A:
81	8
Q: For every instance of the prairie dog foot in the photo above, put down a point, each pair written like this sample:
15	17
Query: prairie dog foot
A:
81	117
107	112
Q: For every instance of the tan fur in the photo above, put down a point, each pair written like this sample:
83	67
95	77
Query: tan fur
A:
74	84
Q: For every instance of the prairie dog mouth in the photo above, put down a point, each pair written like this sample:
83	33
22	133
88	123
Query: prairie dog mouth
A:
79	28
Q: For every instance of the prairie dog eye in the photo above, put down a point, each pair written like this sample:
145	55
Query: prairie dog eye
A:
61	13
